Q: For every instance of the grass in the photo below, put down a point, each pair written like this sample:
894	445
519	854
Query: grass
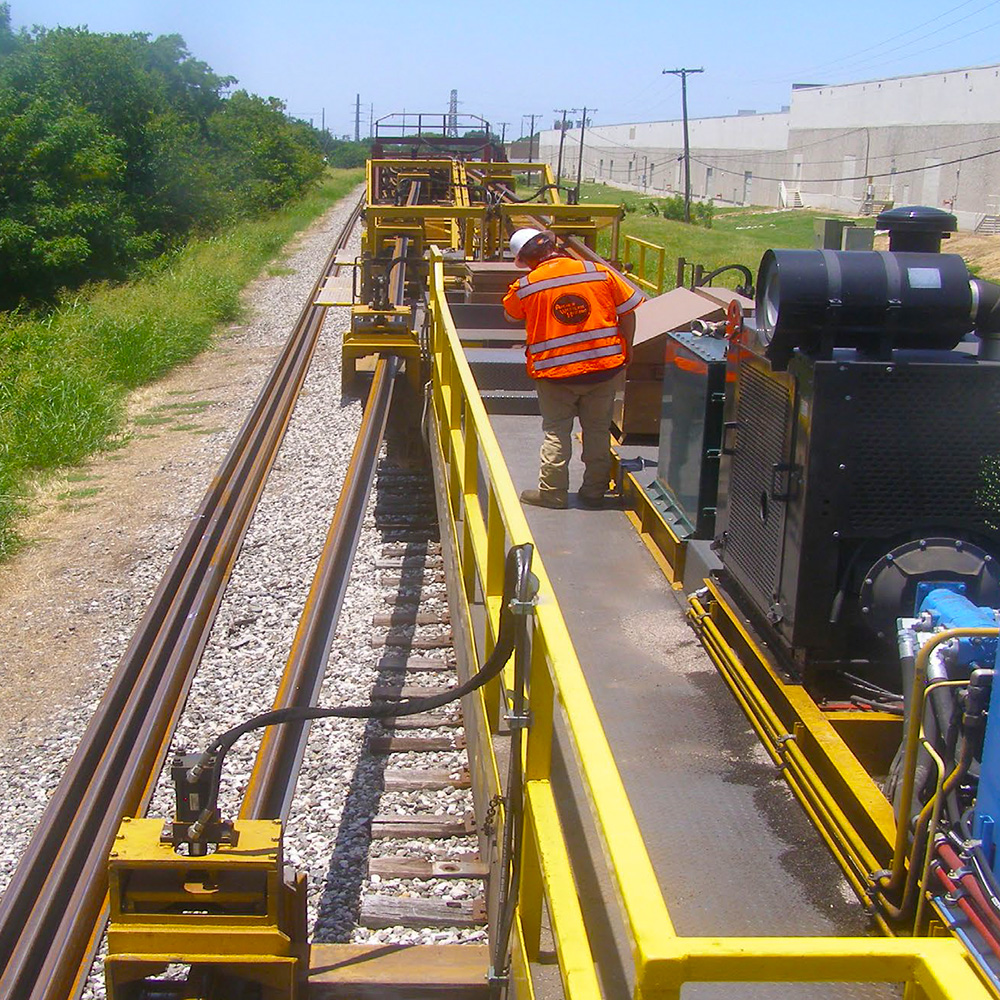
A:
737	235
64	375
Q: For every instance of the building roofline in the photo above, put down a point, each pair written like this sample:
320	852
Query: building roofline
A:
670	121
889	79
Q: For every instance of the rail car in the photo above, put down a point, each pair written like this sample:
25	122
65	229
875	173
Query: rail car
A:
826	505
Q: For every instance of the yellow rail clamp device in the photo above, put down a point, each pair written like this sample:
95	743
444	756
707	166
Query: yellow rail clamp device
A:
229	915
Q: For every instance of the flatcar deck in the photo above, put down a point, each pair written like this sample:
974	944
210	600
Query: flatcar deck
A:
733	852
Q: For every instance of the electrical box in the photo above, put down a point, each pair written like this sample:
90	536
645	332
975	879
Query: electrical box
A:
687	475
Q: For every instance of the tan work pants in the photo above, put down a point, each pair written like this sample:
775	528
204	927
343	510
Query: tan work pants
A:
559	403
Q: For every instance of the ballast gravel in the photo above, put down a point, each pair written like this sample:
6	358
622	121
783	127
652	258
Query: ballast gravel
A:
340	786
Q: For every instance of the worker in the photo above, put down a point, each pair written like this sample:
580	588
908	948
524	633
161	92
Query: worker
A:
580	321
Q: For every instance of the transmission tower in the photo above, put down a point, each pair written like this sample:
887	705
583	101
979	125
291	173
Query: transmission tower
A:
453	114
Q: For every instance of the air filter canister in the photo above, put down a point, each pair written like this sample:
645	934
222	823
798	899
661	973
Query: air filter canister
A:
869	300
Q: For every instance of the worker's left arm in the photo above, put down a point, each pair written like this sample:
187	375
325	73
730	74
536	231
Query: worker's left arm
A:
513	310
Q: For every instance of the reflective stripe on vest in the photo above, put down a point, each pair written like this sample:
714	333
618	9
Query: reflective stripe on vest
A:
590	273
567	359
571	338
630	303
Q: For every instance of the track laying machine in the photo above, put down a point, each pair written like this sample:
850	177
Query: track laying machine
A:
832	463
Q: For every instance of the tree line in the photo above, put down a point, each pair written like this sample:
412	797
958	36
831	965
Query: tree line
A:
115	148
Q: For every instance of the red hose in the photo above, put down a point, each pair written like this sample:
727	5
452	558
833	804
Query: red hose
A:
970	883
968	909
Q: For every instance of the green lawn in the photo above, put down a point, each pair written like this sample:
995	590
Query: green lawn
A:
737	235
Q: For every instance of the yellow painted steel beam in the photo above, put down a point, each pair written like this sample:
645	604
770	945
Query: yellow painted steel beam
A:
647	915
576	961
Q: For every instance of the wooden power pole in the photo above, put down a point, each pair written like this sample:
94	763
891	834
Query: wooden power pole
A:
683	74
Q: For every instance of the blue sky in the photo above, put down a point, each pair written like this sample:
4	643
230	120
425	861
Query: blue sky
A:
519	58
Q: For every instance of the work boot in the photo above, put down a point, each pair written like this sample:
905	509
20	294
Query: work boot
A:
591	501
548	498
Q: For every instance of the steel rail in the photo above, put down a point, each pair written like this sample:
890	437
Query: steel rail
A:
52	914
271	787
272	782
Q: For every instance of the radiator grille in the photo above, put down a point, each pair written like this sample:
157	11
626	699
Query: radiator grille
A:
924	448
753	542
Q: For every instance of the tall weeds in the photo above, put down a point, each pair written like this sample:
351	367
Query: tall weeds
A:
64	375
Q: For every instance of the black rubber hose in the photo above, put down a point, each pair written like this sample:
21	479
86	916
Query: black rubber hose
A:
517	581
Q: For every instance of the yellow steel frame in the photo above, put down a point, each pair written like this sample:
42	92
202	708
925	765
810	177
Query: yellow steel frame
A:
229	913
479	229
633	245
485	519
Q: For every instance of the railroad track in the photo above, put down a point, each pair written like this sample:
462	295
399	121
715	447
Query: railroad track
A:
55	909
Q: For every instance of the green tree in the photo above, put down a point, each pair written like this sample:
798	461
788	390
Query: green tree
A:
63	214
261	156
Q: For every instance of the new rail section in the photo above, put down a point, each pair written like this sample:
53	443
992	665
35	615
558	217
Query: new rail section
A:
427	219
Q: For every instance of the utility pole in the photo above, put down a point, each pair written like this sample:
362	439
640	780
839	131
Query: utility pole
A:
683	74
531	140
371	120
357	118
322	120
579	162
503	131
562	139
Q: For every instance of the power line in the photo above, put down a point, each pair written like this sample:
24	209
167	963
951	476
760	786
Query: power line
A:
853	56
857	177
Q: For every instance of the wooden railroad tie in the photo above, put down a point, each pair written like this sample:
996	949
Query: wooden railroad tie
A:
414	663
391	692
402	549
424	720
414	911
410	563
415	744
398	972
393	827
443	640
429	779
412	579
470	867
395	597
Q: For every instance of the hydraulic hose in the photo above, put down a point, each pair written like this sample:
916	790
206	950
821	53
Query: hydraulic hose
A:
519	589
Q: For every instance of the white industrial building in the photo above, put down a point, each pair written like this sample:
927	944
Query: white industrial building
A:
931	139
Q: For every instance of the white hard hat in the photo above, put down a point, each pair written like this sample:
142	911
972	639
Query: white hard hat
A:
522	236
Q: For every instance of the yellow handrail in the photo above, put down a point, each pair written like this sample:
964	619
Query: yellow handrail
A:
487	519
638	270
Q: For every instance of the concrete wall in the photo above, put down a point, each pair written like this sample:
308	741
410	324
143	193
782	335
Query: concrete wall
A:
820	152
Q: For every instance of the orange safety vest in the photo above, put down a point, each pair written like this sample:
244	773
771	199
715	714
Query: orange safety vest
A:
571	309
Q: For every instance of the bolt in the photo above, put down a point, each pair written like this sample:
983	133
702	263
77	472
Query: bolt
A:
868	581
890	558
842	466
958	544
836	534
923	544
889	368
847	399
866	611
113	854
